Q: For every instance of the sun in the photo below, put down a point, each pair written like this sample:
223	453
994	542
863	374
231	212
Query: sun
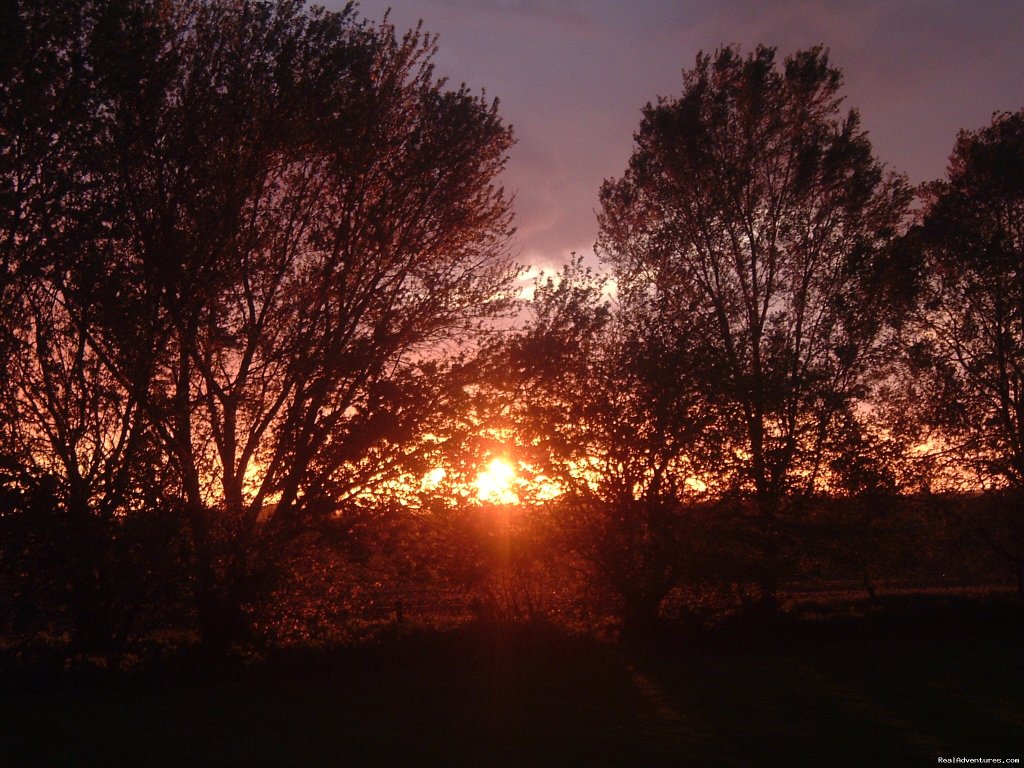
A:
496	483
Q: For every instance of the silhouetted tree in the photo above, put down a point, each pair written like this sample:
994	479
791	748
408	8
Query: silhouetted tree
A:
82	480
290	219
610	414
44	143
103	535
970	324
753	206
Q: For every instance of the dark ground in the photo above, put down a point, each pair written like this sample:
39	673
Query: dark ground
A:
899	687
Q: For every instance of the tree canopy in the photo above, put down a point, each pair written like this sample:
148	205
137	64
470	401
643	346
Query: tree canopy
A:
753	220
969	329
258	326
263	224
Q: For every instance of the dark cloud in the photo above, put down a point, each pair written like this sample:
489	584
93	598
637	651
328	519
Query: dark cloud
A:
572	76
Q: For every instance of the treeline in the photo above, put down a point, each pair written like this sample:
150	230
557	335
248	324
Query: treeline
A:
797	337
257	293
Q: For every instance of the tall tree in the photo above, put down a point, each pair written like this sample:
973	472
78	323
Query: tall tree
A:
970	322
297	224
754	206
78	461
972	278
606	410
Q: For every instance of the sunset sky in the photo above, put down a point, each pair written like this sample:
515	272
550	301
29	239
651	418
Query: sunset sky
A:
572	76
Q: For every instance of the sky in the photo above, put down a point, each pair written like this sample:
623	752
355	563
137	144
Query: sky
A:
573	75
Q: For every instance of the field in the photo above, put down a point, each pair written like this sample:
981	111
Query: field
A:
918	679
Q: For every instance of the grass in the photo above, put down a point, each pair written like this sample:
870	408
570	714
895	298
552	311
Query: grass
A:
899	688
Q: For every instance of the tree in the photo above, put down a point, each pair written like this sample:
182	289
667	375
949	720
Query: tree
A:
606	411
104	535
81	480
754	208
297	224
969	327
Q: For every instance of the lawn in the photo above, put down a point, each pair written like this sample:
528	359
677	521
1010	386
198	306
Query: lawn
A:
893	691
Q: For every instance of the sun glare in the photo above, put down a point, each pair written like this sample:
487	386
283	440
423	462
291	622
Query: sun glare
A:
433	478
495	484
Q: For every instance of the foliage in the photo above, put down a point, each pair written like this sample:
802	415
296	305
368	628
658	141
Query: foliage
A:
970	325
968	343
252	262
754	222
609	416
285	219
